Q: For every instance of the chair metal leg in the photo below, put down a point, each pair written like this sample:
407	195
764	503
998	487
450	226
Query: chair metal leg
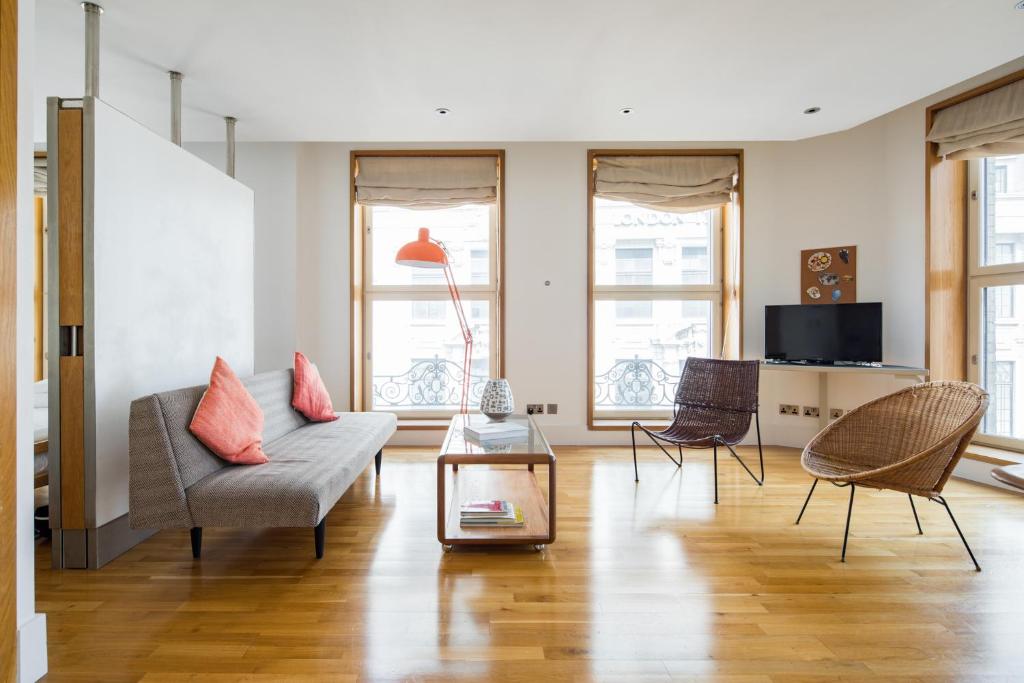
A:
715	458
916	518
677	463
632	433
760	454
806	501
942	501
849	513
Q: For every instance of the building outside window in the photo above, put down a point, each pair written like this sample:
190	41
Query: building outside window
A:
656	301
996	276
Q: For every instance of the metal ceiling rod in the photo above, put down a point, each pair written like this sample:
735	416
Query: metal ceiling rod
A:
175	107
92	48
230	122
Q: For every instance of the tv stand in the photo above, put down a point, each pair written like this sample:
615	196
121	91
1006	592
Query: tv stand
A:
823	371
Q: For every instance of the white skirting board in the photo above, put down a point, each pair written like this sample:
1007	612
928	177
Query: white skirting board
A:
32	649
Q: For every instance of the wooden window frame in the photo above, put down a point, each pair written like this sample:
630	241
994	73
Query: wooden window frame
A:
362	289
728	337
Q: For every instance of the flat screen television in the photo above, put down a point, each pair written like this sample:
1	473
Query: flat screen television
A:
824	333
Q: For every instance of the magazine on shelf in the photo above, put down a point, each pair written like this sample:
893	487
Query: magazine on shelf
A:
514	518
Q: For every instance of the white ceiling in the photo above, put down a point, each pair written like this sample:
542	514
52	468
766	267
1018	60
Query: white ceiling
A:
523	69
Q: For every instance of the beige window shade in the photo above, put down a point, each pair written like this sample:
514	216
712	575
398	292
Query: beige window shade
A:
426	182
987	125
667	183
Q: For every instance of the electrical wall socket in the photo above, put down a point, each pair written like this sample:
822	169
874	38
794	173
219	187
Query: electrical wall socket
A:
835	413
788	409
811	411
534	408
552	409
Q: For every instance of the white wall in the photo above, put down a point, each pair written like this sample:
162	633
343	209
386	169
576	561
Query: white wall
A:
31	626
172	251
270	169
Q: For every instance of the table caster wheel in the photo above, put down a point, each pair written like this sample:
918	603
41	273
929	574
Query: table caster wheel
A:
539	547
447	548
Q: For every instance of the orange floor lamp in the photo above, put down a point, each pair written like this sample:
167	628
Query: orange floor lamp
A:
426	252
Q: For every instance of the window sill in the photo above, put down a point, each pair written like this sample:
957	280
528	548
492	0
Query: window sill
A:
437	423
992	455
624	424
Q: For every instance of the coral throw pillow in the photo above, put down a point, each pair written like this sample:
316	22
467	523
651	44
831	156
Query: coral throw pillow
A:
228	420
309	395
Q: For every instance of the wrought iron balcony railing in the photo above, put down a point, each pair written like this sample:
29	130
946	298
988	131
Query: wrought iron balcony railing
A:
431	383
636	383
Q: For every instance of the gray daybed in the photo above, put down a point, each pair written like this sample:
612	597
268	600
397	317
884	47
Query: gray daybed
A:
176	482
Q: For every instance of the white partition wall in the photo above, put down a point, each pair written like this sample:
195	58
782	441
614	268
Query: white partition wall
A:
167	286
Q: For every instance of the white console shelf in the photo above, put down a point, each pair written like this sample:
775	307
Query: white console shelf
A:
823	372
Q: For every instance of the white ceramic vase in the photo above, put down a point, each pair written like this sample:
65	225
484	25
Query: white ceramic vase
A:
496	401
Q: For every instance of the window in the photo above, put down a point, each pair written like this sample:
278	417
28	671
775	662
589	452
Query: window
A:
996	277
657	300
411	357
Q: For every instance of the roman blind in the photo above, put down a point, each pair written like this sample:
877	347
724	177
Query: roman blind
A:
667	183
426	182
987	125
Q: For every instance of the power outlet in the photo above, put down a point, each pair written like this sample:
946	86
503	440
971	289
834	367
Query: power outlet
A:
534	408
811	411
788	409
552	409
835	413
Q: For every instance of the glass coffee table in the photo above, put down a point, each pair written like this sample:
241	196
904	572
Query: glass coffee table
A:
497	472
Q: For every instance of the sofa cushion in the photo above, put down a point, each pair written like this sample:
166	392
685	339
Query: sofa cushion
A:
309	470
228	421
273	391
309	395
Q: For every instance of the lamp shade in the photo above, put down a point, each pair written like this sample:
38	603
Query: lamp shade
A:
423	253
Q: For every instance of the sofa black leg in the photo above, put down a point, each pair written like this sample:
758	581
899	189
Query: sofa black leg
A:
377	460
319	531
196	533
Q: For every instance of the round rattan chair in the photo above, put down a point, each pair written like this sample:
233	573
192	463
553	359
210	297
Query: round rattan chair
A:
908	441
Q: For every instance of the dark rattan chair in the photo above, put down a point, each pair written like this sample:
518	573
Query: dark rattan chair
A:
713	405
908	441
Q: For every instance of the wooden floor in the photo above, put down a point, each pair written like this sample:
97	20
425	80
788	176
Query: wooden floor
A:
646	582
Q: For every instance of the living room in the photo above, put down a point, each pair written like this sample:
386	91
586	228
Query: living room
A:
555	347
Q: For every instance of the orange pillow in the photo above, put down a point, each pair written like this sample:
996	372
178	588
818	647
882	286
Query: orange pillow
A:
228	420
309	395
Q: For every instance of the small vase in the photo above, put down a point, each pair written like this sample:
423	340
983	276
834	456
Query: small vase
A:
496	401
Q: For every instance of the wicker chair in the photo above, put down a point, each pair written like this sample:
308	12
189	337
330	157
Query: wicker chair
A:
908	441
713	405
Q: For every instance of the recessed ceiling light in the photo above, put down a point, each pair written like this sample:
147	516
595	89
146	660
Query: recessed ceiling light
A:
815	110
443	111
626	111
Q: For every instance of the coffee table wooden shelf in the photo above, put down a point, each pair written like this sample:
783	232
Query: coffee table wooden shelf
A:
497	472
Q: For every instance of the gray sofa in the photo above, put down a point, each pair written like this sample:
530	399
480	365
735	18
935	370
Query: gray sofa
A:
176	482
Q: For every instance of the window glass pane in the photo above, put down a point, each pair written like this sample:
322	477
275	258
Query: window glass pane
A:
1001	195
635	246
465	231
1002	354
417	354
637	359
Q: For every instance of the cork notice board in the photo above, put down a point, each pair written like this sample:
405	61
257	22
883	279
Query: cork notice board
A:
828	276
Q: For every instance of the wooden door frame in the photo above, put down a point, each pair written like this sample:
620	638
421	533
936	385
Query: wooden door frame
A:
8	337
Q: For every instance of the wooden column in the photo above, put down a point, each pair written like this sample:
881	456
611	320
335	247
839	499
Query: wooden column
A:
8	336
71	317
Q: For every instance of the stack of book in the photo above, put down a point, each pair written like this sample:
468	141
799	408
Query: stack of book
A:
496	432
490	513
